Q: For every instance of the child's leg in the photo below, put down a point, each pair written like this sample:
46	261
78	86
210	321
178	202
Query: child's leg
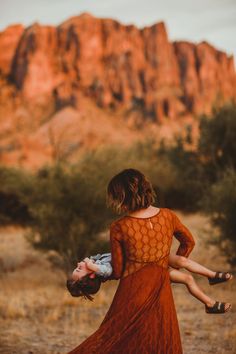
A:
186	263
178	277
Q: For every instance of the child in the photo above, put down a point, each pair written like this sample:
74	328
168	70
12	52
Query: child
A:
87	276
98	268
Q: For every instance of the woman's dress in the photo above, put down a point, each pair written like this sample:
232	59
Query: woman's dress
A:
142	317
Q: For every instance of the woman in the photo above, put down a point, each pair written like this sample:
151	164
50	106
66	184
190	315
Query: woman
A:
142	317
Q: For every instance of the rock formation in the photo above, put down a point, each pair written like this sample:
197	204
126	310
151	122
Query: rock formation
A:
136	72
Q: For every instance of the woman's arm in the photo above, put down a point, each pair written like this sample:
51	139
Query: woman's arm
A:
117	256
184	236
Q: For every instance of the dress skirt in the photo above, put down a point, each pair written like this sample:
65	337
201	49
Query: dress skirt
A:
141	319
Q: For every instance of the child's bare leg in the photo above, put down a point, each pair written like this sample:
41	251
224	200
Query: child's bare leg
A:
193	267
178	277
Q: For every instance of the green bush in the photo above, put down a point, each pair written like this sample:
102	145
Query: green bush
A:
14	184
217	142
67	214
220	203
68	206
217	151
187	183
100	166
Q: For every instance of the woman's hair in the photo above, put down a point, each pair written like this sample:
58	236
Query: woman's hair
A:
129	190
84	287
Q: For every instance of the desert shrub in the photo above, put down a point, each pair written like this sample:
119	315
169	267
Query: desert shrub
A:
67	214
196	170
217	150
14	185
220	203
188	184
12	210
217	142
65	207
68	206
104	163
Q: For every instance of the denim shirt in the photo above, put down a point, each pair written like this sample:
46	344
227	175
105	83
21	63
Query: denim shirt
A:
104	263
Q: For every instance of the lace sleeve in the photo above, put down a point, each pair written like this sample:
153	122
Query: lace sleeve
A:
184	236
117	255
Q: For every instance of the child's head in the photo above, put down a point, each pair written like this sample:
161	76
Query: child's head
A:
129	190
83	281
80	271
85	287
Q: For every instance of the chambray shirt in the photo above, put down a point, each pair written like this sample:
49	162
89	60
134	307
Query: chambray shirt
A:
104	262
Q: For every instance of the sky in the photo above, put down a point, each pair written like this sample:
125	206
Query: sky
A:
192	20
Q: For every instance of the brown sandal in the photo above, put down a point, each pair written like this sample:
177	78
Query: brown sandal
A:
220	277
218	307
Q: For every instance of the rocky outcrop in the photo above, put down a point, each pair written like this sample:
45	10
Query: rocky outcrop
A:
100	68
117	66
9	41
207	76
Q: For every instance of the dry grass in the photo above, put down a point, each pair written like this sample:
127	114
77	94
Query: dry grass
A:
37	315
36	312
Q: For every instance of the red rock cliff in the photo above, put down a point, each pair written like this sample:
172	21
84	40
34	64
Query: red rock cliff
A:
75	85
117	66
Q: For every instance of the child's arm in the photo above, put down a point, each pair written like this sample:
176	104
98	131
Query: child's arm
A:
91	265
104	270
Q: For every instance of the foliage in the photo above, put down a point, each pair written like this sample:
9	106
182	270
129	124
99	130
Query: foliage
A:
217	149
220	203
65	206
67	213
217	143
188	183
14	185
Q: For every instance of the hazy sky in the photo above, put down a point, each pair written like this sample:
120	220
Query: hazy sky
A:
194	20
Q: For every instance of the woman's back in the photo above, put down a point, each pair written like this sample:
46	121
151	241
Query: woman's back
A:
136	241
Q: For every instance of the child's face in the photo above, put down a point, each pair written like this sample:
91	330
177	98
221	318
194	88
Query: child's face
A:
80	271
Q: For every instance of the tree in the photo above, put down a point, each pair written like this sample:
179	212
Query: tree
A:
217	143
220	202
67	215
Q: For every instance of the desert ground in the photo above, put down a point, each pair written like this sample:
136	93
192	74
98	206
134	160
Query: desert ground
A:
37	314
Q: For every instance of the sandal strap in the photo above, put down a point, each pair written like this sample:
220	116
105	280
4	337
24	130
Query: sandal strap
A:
222	275
218	307
219	277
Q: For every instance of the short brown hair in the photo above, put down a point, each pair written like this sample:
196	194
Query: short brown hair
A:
129	190
84	287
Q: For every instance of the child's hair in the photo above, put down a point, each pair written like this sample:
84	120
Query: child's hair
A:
129	190
84	287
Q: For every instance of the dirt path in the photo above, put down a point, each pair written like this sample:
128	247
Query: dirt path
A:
38	316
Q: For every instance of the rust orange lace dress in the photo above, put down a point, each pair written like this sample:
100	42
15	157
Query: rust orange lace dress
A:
142	317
